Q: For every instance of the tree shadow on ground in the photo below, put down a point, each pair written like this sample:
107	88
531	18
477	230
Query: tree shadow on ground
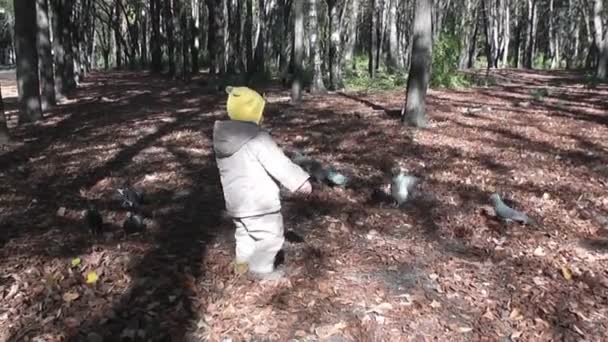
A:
159	302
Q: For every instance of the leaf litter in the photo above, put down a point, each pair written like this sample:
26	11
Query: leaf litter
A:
441	267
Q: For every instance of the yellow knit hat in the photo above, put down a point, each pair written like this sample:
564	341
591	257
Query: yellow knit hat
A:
245	104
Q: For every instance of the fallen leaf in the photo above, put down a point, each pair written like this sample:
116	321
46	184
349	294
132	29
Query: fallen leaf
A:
515	315
489	315
380	308
435	304
329	330
566	273
538	281
92	277
516	334
70	296
76	262
71	322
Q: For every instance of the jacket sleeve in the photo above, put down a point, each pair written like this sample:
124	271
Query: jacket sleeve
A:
276	163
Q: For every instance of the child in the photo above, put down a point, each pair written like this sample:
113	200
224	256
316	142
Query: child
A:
249	163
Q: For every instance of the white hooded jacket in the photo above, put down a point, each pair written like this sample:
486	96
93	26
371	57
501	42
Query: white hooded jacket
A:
250	164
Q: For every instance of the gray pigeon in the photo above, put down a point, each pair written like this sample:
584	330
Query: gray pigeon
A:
508	214
334	177
402	185
93	220
134	223
313	167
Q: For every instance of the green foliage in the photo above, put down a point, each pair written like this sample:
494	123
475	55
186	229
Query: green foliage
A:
591	80
445	71
539	94
358	78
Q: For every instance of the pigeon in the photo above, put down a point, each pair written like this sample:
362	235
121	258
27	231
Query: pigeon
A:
93	220
335	178
318	172
131	198
134	223
508	214
402	185
311	166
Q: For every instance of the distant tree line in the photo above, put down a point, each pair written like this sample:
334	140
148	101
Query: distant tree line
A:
307	43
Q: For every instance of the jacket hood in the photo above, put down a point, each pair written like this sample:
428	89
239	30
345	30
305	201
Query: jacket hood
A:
230	136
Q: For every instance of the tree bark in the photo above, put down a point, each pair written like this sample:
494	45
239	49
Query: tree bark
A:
373	40
487	30
27	61
260	47
155	43
298	46
394	58
601	40
195	26
47	81
467	28
144	40
506	33
184	22
335	67
553	39
170	31
531	40
249	37
420	68
5	136
317	85
68	44
351	37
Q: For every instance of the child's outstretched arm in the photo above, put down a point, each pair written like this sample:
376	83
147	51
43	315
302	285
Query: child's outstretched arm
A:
278	165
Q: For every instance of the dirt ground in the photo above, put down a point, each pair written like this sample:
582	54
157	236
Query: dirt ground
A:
442	268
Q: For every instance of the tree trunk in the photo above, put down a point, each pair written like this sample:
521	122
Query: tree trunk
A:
260	48
185	20
249	37
351	37
487	29
472	57
155	43
68	45
553	45
531	40
27	61
393	53
195	26
467	28
169	30
233	28
518	29
5	136
601	40
335	67
506	38
47	81
298	45
317	85
58	50
373	39
144	40
420	68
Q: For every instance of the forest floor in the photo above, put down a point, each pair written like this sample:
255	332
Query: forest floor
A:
442	268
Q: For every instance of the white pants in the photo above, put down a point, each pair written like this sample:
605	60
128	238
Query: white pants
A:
258	240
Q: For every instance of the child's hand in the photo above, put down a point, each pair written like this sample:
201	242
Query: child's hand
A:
305	189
